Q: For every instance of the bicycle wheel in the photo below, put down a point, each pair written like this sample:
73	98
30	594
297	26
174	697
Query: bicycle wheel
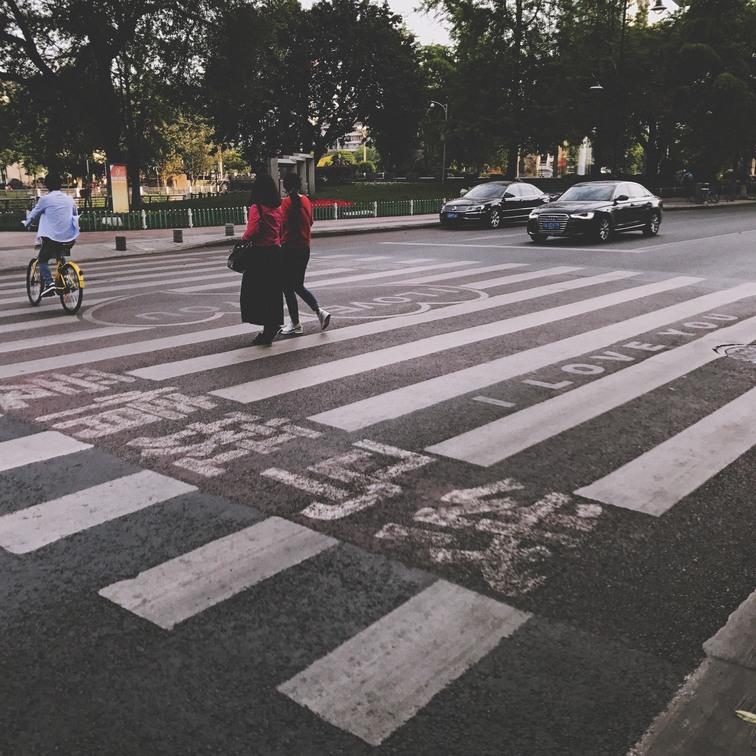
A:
33	282
72	294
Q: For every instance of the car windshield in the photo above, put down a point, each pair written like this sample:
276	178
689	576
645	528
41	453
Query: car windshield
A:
486	191
588	193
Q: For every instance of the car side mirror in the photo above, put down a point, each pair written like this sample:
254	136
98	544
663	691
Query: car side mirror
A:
462	192
621	198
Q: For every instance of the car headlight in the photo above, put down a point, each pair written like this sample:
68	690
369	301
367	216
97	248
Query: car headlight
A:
533	214
475	208
582	216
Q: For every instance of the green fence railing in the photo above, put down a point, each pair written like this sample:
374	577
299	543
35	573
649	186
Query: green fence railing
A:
99	219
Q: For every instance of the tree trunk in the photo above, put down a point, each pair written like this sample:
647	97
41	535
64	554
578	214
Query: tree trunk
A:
513	153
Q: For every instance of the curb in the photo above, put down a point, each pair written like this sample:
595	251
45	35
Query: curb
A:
701	718
718	206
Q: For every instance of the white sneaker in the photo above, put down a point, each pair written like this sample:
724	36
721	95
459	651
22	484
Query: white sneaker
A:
325	319
290	329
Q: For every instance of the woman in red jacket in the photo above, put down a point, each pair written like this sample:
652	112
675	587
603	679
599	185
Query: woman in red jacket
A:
261	300
296	211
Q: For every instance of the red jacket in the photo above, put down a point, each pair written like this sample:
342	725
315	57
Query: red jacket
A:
265	231
299	237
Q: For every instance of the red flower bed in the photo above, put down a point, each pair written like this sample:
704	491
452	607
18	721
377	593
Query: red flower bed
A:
331	203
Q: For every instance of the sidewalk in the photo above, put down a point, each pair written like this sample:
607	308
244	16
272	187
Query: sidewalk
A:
16	247
701	719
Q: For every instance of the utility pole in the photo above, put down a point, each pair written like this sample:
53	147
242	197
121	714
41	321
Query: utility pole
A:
445	108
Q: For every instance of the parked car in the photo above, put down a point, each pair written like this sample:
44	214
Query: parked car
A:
598	209
492	204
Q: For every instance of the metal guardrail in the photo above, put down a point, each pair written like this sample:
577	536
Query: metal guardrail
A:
105	220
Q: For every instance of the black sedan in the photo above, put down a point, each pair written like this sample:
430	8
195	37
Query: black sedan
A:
492	204
597	209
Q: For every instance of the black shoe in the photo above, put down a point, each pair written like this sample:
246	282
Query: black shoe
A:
48	291
261	340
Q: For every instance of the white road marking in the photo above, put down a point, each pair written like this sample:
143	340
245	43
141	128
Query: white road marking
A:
182	587
658	479
37	448
163	371
379	679
325	372
138	275
655	247
495	402
62	339
54	310
231	280
417	396
522	247
361	276
502	438
520	277
121	350
494	234
145	262
461	273
34	527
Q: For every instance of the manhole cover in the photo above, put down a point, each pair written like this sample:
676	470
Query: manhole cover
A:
743	352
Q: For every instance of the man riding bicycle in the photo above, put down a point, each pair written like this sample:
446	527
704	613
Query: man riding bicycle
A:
58	228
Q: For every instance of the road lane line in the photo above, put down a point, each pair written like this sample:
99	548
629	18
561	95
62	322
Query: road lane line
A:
180	588
62	339
34	527
166	370
392	404
360	276
507	436
379	679
122	350
314	375
37	448
655	481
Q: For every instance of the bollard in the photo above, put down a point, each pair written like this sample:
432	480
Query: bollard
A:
178	235
120	242
229	229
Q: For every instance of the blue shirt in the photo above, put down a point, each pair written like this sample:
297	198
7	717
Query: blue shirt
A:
58	217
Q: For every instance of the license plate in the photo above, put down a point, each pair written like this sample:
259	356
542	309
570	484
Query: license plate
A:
451	216
551	225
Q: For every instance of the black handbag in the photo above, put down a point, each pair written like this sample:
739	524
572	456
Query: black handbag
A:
237	260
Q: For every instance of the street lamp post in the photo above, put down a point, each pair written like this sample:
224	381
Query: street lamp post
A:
445	108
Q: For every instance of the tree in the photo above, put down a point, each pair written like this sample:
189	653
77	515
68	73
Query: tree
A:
96	75
256	79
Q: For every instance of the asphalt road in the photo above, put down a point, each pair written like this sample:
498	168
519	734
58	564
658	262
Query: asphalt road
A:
495	509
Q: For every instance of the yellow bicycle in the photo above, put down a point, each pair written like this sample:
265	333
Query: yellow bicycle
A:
68	279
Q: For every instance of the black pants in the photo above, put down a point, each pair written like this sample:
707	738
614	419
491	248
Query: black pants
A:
295	261
50	250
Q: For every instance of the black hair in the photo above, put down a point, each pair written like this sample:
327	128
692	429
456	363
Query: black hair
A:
53	182
291	184
265	192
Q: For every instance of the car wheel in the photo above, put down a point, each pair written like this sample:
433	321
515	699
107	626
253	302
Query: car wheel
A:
537	237
603	230
494	221
652	227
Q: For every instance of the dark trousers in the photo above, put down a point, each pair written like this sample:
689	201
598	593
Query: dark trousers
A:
295	261
50	250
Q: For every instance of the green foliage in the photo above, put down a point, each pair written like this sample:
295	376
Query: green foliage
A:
365	168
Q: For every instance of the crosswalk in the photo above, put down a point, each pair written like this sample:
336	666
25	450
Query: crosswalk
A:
554	349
